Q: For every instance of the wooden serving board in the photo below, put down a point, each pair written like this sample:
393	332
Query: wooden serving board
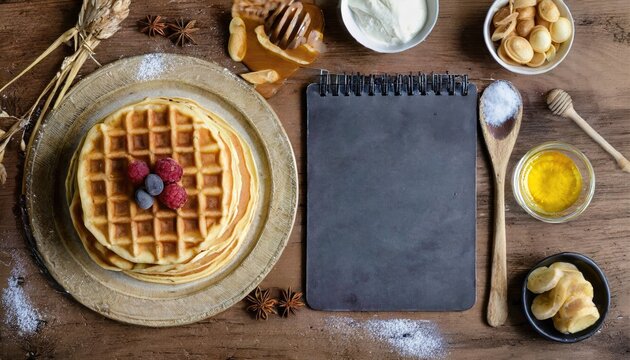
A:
124	82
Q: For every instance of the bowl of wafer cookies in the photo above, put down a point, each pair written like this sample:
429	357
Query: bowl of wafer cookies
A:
529	37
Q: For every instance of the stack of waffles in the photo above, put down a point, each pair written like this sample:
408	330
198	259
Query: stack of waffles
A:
160	244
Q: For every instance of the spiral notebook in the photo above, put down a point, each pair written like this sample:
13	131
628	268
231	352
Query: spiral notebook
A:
391	192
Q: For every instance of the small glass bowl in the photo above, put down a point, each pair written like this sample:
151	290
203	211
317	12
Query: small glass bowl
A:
519	187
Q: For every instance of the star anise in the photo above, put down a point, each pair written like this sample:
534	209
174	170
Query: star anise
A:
182	32
261	303
153	25
291	302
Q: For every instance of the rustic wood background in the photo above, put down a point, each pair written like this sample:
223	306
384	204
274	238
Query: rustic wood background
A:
596	74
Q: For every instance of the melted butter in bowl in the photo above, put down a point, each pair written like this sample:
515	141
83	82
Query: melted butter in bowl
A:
554	182
389	26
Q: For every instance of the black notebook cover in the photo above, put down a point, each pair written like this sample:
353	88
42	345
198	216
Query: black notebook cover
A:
391	201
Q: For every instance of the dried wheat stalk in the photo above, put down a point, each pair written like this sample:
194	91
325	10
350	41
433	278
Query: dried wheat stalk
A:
98	20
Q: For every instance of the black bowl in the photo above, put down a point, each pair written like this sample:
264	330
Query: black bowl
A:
601	298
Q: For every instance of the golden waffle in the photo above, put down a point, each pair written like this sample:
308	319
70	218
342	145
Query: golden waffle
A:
219	255
100	254
150	130
219	252
205	264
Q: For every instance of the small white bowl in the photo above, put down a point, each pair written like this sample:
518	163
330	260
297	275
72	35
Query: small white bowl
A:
433	9
563	51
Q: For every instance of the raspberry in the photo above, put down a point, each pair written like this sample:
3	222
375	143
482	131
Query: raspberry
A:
169	170
173	196
137	170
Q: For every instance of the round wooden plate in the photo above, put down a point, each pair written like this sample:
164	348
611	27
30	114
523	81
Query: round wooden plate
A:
124	82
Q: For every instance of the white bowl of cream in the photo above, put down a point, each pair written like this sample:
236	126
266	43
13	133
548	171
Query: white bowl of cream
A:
389	26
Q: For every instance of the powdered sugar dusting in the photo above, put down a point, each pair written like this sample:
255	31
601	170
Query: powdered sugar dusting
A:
151	67
419	339
19	311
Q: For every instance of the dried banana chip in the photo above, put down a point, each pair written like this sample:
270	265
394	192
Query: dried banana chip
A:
575	315
502	31
501	14
545	306
543	278
565	266
237	45
263	39
508	19
261	77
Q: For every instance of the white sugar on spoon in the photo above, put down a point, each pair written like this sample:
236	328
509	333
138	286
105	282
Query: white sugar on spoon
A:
500	102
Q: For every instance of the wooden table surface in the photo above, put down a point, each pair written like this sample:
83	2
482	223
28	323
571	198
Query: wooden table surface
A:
596	73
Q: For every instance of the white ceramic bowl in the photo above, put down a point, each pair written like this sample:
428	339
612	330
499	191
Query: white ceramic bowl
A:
563	51
433	9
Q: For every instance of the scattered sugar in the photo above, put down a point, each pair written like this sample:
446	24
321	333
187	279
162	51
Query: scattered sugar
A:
152	66
419	339
501	102
19	311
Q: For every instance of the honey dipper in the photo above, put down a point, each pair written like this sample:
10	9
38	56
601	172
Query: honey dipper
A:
288	24
560	103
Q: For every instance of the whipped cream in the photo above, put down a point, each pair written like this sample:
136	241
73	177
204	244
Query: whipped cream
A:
389	21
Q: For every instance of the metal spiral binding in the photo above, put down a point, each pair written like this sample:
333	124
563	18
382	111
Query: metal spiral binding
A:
396	84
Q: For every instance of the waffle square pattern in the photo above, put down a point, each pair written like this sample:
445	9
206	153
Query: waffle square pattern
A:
149	131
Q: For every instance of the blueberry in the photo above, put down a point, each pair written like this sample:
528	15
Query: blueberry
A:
143	199
153	184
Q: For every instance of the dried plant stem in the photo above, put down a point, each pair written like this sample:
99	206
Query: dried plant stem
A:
66	77
6	137
83	54
67	36
21	122
98	20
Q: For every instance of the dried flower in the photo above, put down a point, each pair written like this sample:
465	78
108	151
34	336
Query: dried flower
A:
261	303
182	32
153	25
291	302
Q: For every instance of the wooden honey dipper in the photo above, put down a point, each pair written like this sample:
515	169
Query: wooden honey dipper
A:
560	103
288	25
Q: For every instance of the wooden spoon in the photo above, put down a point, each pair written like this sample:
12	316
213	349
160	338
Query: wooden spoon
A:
500	141
560	103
